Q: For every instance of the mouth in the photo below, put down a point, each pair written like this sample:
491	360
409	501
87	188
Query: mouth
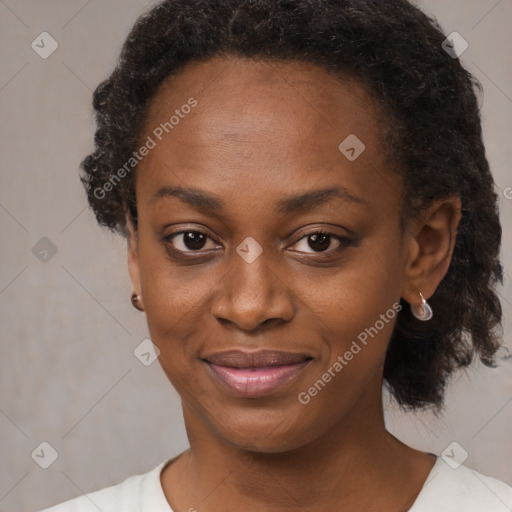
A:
255	374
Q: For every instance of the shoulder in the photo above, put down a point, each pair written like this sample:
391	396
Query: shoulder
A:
123	496
451	489
130	495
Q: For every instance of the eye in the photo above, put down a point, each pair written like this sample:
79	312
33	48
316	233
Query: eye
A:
195	241
320	242
188	241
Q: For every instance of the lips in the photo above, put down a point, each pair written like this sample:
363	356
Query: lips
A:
255	374
262	359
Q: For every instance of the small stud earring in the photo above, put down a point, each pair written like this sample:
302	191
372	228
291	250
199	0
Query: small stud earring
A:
422	312
135	302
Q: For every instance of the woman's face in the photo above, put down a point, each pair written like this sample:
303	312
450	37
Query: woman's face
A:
257	232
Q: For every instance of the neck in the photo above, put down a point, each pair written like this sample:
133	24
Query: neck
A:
356	463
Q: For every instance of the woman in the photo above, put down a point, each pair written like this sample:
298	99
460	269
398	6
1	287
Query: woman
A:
309	214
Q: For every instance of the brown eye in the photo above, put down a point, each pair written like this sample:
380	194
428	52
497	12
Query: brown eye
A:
319	242
188	241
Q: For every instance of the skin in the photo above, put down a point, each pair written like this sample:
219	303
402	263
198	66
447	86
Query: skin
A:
263	131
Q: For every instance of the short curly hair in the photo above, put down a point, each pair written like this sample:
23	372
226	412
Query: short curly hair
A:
433	131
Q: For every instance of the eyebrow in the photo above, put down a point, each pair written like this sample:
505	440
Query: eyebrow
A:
205	202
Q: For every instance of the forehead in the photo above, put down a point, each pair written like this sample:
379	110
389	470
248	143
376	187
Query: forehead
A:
277	122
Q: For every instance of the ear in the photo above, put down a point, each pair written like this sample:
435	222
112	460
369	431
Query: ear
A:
133	256
430	247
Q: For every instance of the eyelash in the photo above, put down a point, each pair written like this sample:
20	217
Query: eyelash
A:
179	254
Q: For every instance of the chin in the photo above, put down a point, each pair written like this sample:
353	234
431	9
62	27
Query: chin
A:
264	432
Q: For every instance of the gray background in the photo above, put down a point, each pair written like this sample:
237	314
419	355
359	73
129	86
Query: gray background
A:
68	375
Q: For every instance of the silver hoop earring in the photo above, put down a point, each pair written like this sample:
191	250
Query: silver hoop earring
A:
422	312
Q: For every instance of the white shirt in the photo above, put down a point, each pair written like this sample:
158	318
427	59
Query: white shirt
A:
445	490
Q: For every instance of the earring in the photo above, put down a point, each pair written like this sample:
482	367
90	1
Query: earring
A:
423	311
135	302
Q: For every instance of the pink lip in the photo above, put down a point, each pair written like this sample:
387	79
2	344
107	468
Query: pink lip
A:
253	374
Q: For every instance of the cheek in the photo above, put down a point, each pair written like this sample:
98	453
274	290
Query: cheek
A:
353	297
355	343
354	311
174	299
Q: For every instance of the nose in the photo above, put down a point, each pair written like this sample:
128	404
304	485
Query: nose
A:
252	294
